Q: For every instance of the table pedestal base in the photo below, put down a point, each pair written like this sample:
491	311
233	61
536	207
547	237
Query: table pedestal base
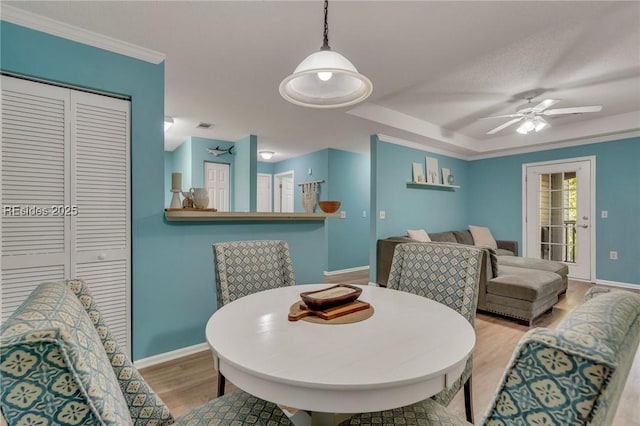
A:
304	418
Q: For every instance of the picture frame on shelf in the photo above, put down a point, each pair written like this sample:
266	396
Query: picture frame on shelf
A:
446	173
433	172
418	173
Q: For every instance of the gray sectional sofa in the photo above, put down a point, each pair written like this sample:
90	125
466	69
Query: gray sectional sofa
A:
517	287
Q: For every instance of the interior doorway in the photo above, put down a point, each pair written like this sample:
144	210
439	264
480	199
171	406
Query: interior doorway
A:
283	192
216	180
264	200
559	207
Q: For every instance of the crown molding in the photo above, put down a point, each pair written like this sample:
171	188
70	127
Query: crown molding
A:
426	148
557	145
41	23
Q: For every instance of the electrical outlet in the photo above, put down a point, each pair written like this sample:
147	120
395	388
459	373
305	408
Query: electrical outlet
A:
364	213
383	215
343	214
613	255
604	214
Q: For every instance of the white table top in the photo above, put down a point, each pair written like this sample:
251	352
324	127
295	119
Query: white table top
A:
409	350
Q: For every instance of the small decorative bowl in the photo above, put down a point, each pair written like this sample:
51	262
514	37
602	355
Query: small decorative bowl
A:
332	296
329	206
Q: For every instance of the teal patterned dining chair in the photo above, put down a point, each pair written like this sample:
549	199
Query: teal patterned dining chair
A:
247	267
448	274
60	365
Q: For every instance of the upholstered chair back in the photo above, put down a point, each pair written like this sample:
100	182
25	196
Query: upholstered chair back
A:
246	267
575	374
448	274
54	368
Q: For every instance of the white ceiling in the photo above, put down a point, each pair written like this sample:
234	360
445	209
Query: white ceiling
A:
437	67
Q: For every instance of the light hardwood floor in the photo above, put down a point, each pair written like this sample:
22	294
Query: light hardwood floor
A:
191	381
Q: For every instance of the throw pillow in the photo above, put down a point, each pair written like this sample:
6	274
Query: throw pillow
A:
482	237
419	235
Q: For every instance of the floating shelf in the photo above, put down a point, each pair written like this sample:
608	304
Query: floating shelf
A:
440	186
194	215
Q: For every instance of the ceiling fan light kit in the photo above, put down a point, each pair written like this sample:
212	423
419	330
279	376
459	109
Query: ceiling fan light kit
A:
325	79
533	115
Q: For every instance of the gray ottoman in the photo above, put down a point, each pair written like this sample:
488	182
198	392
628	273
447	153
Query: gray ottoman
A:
522	293
539	265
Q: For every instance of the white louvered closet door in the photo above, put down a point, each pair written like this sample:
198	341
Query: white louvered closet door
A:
35	155
100	179
91	183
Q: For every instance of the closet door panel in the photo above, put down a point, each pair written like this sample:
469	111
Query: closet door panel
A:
35	183
101	228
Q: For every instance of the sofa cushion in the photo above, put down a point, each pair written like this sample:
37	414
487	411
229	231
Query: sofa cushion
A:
464	237
482	236
443	237
419	235
524	284
54	368
504	252
538	264
145	406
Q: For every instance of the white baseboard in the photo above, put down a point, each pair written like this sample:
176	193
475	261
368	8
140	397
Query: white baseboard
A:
345	271
629	286
170	356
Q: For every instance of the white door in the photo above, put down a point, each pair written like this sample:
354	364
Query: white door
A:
216	180
265	195
559	200
284	195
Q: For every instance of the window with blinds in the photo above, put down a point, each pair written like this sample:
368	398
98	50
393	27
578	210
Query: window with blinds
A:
65	195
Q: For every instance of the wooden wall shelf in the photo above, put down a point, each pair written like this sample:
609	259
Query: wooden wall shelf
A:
195	215
439	186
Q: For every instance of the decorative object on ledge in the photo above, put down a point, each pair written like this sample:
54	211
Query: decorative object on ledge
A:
200	197
433	172
310	189
329	206
176	188
218	152
447	177
210	215
418	173
187	203
440	186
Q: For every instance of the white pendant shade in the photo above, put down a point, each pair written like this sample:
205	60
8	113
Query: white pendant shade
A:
325	79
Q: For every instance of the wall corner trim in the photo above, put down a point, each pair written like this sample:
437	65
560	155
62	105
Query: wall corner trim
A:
50	26
170	356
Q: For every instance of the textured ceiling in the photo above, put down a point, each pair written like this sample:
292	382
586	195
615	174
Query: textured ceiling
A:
437	67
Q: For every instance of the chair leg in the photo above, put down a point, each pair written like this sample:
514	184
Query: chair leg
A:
468	400
221	383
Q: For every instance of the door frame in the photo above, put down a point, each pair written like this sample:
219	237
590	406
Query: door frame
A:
592	207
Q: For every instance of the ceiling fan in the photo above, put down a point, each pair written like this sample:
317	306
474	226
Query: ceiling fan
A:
533	115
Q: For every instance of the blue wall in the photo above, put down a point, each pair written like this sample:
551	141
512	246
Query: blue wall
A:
264	167
172	268
617	191
168	167
245	192
349	183
433	210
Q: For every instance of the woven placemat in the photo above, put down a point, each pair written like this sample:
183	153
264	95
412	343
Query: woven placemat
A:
346	319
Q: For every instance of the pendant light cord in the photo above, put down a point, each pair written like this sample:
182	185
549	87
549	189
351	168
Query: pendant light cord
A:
325	44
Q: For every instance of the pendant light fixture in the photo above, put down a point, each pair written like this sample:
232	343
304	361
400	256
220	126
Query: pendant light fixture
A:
325	79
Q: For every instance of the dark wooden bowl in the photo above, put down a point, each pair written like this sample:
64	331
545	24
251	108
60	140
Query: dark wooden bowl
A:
329	206
332	296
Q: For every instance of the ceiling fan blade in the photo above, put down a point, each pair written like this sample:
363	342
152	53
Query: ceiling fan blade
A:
572	110
504	126
544	105
503	116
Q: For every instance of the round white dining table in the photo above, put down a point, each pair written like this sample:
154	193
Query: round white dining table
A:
410	349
